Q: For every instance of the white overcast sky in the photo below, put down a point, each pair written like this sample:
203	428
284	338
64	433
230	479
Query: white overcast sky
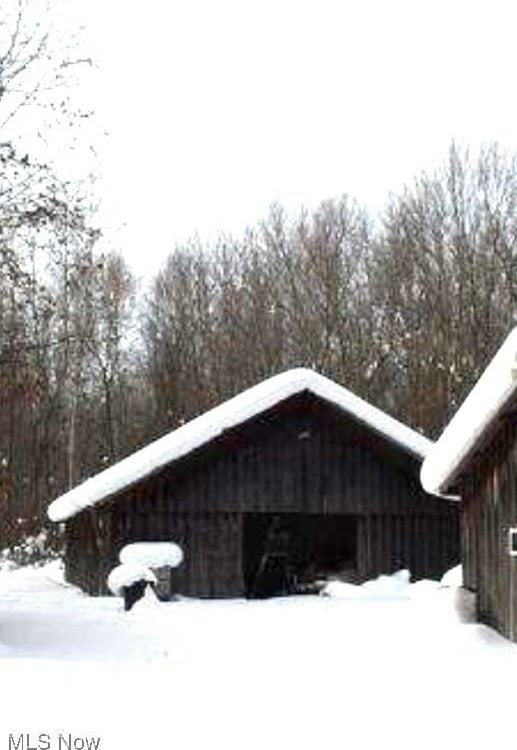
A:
217	108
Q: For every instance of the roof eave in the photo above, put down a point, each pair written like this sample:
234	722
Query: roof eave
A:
461	439
210	425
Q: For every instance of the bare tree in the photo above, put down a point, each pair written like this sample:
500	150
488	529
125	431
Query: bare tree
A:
445	281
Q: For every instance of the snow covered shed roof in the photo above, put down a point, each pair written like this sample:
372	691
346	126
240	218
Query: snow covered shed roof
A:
230	414
473	421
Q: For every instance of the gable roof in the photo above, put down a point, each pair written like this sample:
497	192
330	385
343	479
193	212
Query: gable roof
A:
230	414
475	418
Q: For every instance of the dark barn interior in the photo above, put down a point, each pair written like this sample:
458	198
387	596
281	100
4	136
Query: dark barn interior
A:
298	492
286	553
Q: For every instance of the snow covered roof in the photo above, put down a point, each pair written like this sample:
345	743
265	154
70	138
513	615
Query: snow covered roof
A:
475	417
227	415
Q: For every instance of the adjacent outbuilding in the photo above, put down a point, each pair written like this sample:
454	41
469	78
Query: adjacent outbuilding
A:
475	460
292	480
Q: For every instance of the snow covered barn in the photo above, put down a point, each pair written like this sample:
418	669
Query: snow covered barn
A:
292	479
475	460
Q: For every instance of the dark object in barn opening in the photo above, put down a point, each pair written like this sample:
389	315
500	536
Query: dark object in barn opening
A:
287	553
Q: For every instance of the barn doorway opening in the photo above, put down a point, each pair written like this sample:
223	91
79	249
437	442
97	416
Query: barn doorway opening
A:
287	553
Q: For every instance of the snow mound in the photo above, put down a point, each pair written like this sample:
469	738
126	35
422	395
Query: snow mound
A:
464	603
341	590
7	565
424	588
127	574
54	571
438	602
389	586
152	554
383	587
460	600
453	577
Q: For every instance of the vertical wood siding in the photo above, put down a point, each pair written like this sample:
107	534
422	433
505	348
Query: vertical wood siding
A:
302	457
489	495
424	544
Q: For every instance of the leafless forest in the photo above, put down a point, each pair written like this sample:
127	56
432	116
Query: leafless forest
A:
403	308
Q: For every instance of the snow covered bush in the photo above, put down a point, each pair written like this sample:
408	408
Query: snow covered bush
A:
130	580
31	550
161	557
126	574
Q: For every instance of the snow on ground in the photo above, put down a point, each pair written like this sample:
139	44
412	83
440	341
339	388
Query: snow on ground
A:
302	672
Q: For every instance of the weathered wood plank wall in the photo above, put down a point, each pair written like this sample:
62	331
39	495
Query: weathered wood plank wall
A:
308	459
302	457
489	494
425	544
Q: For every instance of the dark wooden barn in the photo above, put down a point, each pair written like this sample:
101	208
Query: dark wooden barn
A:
475	459
289	481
